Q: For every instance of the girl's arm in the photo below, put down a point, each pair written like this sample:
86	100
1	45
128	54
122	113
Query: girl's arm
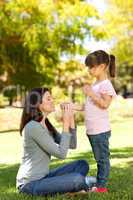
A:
75	106
78	107
102	102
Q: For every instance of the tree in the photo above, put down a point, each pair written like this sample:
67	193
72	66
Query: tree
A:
34	37
119	26
71	75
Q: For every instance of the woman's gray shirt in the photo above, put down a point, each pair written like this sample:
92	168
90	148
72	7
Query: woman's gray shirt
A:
38	147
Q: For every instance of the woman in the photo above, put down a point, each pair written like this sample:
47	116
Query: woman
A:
41	141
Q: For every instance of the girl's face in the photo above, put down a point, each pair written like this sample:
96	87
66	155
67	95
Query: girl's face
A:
97	70
47	104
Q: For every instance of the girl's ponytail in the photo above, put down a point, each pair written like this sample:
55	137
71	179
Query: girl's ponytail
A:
101	57
112	65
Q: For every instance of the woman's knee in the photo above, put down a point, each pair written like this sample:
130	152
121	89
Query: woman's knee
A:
28	189
84	164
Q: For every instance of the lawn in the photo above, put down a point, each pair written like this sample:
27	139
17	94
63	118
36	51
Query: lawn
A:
121	177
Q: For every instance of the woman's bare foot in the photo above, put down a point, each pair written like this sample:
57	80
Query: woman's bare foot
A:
81	192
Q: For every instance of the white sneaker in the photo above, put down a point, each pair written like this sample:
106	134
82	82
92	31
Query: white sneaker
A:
90	180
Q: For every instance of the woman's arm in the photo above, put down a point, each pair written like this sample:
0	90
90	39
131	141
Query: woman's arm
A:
42	137
73	139
72	130
72	127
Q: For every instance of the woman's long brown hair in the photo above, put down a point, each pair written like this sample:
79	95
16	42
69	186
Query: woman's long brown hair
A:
31	109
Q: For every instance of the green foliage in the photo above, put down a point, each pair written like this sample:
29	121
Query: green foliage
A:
2	100
70	77
120	27
35	35
10	92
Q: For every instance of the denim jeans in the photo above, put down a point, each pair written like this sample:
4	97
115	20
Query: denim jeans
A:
68	178
100	148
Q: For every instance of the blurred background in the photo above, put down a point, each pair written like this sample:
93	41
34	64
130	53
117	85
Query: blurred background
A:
45	42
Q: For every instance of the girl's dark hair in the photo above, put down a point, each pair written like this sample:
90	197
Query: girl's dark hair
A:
31	109
101	57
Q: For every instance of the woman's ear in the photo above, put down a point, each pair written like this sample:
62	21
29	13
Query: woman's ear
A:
40	107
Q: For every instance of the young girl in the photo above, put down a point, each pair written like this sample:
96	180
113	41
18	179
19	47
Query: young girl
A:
98	98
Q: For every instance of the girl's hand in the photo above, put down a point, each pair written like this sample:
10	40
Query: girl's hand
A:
71	104
88	90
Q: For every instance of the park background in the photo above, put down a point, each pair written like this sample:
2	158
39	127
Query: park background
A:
44	43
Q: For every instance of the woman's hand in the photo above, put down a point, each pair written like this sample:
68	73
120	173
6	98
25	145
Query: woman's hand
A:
68	116
72	121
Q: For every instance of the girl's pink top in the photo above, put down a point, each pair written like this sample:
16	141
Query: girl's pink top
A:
97	119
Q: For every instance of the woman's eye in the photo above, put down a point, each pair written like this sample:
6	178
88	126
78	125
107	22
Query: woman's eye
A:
49	99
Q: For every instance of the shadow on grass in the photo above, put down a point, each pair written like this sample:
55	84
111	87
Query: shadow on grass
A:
126	152
121	178
8	131
122	153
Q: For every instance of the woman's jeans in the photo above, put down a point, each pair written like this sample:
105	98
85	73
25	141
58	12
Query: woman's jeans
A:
100	148
68	178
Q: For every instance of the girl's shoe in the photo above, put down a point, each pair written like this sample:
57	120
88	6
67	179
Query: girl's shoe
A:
99	190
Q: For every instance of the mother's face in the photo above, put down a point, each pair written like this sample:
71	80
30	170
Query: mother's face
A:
47	104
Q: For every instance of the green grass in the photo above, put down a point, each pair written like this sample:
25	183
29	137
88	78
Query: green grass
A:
120	184
121	177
